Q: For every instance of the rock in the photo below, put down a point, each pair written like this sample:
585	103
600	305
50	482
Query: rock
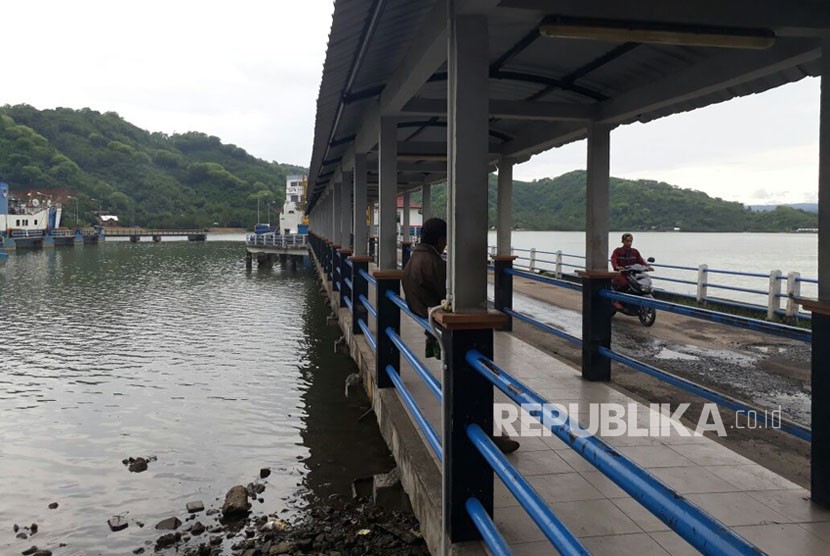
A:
236	503
33	528
167	540
169	524
53	505
197	529
22	535
117	523
284	547
362	488
195	507
30	550
139	550
16	528
43	553
264	472
137	465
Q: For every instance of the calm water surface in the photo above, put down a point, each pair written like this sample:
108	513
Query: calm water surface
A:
751	253
171	350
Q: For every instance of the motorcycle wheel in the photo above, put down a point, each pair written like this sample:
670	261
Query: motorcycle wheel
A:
647	315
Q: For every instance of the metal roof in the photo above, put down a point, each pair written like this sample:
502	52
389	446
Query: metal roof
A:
389	56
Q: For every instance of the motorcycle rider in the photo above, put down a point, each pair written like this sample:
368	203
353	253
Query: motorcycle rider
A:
622	257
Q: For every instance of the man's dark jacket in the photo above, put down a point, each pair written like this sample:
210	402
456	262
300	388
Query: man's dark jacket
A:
424	279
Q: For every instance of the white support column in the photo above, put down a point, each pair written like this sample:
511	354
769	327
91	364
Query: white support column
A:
346	210
426	202
467	137
335	213
596	214
504	207
405	219
359	213
387	249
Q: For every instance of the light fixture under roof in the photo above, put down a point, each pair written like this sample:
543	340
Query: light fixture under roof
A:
611	30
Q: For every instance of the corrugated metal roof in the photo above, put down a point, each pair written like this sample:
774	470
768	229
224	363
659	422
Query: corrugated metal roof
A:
370	39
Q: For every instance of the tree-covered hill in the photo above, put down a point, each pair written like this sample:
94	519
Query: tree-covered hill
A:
192	179
147	179
559	204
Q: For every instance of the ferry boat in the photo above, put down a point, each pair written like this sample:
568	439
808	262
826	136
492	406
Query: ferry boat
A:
26	224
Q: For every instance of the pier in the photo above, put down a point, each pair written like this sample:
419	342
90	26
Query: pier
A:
156	234
431	92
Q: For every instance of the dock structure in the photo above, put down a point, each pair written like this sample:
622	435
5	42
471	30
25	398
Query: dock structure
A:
267	247
156	234
449	91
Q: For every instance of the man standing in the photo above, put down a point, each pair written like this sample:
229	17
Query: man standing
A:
425	286
425	276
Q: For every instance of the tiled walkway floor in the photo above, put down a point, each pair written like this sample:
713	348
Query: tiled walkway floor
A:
764	508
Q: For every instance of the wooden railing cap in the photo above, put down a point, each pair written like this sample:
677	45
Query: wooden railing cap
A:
471	321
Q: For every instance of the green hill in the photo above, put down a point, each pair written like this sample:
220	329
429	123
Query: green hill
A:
192	179
559	204
147	179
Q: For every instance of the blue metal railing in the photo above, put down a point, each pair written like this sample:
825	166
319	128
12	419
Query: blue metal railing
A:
698	528
544	279
369	278
793	428
432	383
367	333
366	303
348	301
547	328
348	282
702	531
429	432
489	533
419	320
557	533
781	330
544	517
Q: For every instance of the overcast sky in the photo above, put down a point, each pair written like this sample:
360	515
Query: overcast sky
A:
248	72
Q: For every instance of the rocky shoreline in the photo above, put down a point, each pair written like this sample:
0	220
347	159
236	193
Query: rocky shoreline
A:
333	527
336	528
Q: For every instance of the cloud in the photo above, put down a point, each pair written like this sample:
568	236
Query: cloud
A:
247	72
731	150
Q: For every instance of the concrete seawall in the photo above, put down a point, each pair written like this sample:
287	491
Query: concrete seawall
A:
420	473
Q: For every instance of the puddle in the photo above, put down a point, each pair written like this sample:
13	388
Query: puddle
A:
768	349
725	355
666	353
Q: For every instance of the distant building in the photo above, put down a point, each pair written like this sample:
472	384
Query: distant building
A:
415	217
108	220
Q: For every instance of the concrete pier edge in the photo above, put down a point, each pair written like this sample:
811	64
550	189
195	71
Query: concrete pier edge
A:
420	473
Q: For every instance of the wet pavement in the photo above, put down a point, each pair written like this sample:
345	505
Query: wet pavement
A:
761	369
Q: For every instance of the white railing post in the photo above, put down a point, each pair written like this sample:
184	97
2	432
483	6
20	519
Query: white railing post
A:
793	292
559	264
533	259
702	276
773	303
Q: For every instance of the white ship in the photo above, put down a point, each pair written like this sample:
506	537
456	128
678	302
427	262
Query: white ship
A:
26	223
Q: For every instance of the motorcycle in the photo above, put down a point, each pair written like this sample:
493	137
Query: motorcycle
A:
639	284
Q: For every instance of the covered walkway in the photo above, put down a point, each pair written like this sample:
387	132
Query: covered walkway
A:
417	92
769	511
